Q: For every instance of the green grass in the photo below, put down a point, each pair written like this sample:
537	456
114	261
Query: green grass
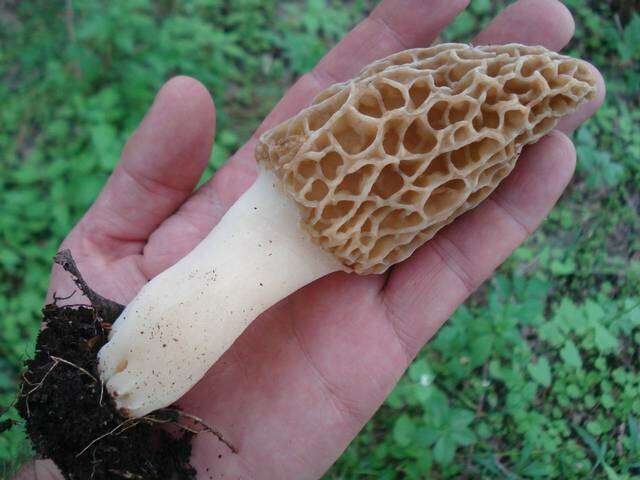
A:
537	376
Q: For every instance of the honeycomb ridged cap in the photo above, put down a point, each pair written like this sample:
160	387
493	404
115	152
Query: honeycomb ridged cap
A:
377	165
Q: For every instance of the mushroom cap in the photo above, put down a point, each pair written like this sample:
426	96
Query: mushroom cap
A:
378	164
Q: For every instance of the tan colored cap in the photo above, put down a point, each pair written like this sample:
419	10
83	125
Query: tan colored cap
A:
379	164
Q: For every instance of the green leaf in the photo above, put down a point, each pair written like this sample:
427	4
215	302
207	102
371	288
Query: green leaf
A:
437	405
423	464
540	371
538	469
481	349
571	355
480	7
461	26
601	170
418	370
631	308
404	430
595	312
619	376
573	391
611	473
461	418
607	401
563	267
605	342
464	437
598	450
594	428
428	435
444	450
629	45
551	332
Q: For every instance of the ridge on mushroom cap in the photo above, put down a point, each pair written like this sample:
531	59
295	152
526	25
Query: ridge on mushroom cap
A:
377	165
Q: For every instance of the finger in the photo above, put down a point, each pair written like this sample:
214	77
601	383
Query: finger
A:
569	123
160	165
531	22
422	292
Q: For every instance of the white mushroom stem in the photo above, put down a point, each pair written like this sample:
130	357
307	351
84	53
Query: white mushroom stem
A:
184	319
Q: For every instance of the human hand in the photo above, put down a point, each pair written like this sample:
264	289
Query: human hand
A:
303	379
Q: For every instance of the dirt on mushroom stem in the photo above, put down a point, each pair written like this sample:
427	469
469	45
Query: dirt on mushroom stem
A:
69	415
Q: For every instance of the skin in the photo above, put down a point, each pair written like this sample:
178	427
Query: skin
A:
301	382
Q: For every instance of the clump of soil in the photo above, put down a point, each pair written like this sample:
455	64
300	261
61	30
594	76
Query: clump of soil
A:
69	414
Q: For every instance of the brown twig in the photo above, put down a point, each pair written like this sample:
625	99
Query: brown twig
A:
164	421
132	422
125	474
101	392
508	473
621	431
111	432
107	309
189	429
483	396
67	362
56	298
71	35
479	410
44	377
94	464
26	403
203	423
457	395
71	32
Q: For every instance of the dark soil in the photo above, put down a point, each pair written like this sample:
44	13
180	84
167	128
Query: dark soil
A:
69	414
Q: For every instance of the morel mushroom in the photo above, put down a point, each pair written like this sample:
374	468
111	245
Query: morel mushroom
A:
356	182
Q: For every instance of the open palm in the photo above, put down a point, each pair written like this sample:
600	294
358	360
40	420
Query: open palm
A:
299	384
